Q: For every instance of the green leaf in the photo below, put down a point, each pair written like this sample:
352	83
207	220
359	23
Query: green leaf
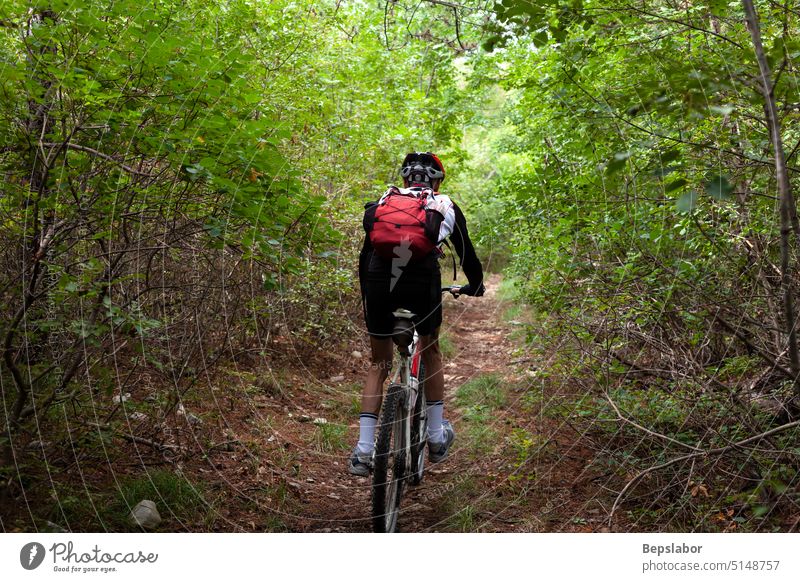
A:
665	170
721	109
719	188
719	7
675	185
617	162
540	38
761	510
491	42
687	201
669	156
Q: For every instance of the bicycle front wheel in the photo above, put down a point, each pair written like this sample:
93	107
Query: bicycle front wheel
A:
390	462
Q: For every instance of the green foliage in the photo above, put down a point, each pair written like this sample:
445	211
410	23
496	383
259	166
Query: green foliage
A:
331	437
523	443
617	195
181	504
456	502
463	520
633	180
479	398
486	390
481	433
447	346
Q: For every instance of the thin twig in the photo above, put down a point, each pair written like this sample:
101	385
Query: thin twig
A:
648	431
160	447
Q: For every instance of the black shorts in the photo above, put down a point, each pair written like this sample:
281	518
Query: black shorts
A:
418	288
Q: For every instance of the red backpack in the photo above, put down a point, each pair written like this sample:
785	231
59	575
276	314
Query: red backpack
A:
401	224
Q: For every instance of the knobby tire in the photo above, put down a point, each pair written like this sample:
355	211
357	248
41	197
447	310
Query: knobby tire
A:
418	433
390	466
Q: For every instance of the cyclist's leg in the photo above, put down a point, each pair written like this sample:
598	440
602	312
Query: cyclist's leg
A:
360	461
378	317
373	392
378	371
432	358
434	384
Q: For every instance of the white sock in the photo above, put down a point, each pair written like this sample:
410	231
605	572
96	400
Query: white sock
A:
435	414
366	433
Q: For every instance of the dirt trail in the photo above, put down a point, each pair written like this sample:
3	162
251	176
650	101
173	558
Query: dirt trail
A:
511	468
481	345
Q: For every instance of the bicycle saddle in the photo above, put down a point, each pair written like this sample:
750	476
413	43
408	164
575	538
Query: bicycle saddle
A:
403	332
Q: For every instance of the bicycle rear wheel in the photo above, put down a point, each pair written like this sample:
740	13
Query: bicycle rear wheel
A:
419	432
390	462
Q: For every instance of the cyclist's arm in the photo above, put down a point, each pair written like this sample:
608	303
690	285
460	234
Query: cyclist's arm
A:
470	263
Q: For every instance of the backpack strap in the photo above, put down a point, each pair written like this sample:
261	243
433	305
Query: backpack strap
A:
452	256
391	190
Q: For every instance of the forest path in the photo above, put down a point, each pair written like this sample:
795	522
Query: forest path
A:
511	468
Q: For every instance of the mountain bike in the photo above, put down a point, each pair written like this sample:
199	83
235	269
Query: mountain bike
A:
403	426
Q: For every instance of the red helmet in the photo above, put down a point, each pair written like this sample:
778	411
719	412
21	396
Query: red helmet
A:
419	167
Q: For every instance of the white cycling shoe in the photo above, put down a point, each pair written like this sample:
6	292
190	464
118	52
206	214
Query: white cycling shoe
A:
360	463
437	452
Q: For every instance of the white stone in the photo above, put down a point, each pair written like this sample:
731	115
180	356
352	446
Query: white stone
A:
145	514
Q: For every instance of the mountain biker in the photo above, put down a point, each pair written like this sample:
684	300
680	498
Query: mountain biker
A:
414	284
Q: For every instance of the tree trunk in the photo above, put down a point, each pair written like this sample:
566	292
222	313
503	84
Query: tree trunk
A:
788	208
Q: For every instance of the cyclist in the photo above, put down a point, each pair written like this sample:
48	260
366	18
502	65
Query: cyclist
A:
413	283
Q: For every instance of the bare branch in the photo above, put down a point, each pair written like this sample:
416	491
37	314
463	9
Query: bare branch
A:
94	152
